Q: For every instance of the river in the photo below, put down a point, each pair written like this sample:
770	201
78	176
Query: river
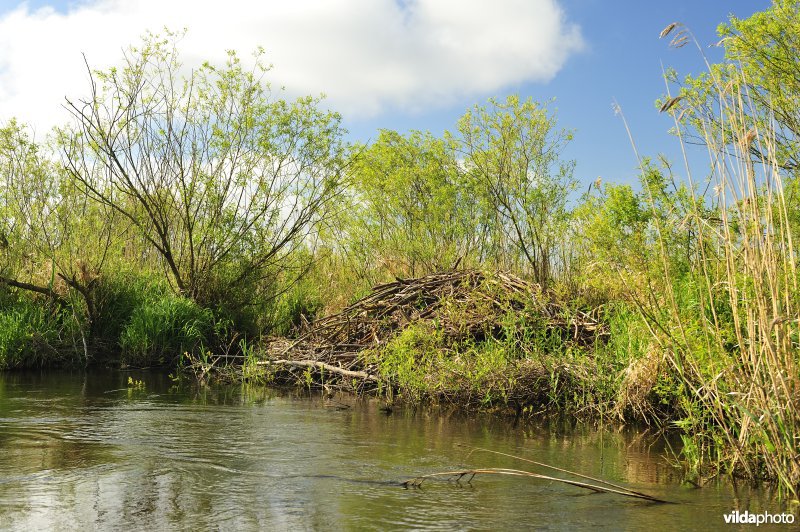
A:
110	450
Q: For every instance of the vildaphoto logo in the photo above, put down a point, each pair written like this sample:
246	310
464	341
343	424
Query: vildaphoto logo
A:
746	518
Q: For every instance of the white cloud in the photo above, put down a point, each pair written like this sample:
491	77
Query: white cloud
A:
368	56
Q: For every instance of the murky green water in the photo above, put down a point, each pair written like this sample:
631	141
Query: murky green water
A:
86	451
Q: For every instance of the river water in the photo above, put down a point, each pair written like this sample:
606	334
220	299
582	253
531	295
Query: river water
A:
90	451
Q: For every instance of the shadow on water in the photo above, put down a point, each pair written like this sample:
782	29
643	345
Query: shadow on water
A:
91	450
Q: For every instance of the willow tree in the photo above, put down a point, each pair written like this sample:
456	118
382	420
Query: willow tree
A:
221	180
54	241
513	152
414	214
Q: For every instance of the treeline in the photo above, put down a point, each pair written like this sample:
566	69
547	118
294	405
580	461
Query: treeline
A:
232	205
196	211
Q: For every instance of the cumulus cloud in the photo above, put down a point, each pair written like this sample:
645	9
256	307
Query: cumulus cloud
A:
367	56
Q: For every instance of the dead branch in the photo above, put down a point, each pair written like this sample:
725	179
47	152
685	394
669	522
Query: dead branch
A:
320	365
561	470
458	475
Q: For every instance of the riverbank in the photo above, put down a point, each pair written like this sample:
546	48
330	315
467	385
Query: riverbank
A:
473	340
489	341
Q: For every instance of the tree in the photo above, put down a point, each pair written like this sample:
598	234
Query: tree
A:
512	153
222	181
54	241
413	212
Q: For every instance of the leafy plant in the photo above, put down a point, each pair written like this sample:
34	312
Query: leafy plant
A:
159	331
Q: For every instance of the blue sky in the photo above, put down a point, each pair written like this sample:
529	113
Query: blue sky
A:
622	61
380	73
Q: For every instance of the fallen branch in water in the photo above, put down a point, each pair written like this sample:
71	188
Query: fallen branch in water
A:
458	475
567	471
320	365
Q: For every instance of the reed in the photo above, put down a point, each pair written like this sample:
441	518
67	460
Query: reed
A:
729	327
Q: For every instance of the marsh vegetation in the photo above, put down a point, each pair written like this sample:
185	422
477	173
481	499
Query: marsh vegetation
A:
189	218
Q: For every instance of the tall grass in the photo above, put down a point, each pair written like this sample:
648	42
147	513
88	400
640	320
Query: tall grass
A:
728	328
31	334
160	331
117	297
139	322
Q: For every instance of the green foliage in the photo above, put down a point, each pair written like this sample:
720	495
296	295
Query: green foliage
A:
414	213
512	154
28	333
492	193
413	360
613	231
160	331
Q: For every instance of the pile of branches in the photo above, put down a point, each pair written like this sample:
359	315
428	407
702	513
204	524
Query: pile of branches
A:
466	304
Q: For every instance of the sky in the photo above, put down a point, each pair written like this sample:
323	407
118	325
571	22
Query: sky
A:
395	64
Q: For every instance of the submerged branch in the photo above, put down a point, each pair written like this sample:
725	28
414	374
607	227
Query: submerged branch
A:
458	475
567	471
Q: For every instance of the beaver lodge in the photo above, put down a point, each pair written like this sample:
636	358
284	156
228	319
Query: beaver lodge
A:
469	336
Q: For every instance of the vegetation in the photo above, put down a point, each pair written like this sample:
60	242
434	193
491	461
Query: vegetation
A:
203	215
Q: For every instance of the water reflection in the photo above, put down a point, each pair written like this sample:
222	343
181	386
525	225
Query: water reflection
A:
88	450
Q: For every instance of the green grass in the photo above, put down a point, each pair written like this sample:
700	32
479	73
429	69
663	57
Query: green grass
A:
159	331
521	367
31	334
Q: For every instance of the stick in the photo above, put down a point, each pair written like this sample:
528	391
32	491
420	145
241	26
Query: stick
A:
567	471
417	481
321	365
